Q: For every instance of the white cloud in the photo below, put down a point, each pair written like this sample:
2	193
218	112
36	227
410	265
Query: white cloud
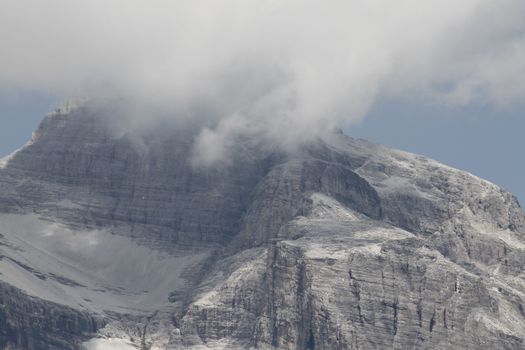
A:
289	68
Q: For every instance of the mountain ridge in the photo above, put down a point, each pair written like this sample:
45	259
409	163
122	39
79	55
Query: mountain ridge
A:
271	250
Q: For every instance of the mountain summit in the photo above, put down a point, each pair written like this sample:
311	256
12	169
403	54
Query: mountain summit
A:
114	239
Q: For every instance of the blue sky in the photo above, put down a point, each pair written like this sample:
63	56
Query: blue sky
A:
20	114
482	140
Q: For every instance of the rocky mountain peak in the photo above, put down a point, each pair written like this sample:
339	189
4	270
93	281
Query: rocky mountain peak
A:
338	244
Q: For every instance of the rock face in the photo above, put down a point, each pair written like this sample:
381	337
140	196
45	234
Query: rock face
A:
113	237
30	323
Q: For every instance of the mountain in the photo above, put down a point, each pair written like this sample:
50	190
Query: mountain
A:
115	239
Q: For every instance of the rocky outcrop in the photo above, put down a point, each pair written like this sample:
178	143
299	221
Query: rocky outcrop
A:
31	323
340	244
345	282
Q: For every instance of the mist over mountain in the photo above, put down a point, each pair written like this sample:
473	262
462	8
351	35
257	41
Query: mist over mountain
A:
199	192
297	66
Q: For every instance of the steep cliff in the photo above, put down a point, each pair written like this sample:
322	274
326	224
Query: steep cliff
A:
116	235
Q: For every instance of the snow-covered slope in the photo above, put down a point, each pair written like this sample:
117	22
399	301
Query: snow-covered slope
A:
91	270
115	240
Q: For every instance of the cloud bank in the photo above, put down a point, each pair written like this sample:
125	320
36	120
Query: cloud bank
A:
283	69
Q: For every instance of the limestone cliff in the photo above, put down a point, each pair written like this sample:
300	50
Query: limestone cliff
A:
110	236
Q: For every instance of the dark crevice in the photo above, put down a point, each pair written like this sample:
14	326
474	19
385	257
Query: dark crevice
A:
395	321
432	321
420	313
356	291
310	344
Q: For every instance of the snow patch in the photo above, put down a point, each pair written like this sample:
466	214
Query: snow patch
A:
325	207
90	269
489	229
5	160
251	269
493	324
207	299
372	249
322	251
382	234
108	344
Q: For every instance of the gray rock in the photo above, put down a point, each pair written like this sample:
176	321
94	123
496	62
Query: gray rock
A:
31	323
341	244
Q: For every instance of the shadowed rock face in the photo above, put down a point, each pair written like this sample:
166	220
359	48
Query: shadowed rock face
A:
340	244
31	323
137	180
147	179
